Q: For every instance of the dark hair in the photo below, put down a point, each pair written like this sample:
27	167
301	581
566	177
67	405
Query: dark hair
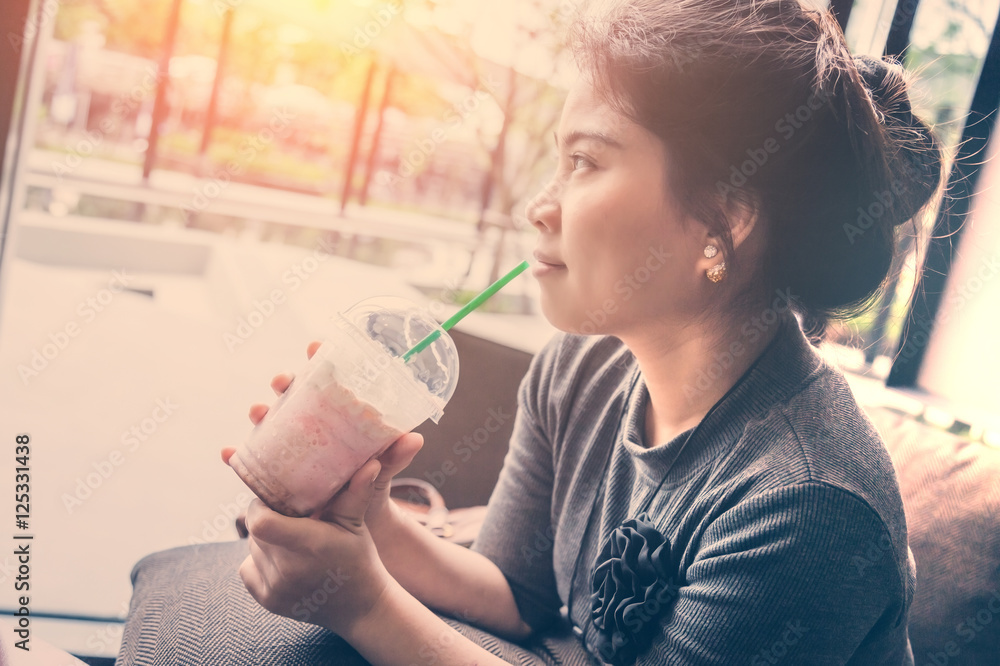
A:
761	103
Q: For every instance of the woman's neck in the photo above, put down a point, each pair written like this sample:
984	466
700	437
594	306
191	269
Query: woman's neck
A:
688	370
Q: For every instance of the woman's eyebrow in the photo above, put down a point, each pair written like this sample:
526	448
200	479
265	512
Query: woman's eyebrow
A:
579	135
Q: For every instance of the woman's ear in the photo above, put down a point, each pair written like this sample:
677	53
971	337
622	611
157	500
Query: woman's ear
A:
743	217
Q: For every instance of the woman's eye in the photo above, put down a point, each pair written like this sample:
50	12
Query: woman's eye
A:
579	162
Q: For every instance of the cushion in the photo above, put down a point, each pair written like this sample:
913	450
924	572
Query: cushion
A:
951	495
189	606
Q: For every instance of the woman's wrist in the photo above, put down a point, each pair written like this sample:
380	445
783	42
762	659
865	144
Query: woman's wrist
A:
371	625
414	630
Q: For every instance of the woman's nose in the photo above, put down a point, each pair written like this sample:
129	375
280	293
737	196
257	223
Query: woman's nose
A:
543	210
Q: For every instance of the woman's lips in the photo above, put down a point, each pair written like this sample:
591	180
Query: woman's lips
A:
544	265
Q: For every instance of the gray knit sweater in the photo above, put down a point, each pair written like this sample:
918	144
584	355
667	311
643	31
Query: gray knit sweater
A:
786	532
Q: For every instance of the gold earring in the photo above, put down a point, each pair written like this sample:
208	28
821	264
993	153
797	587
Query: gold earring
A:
717	273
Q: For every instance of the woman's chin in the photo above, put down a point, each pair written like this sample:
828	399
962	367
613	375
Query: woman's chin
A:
569	321
555	313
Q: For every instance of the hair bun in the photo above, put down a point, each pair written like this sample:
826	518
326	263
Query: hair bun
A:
919	153
876	74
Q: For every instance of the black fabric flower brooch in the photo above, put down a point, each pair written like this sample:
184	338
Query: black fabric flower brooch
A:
632	586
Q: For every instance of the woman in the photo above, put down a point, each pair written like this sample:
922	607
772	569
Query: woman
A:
687	483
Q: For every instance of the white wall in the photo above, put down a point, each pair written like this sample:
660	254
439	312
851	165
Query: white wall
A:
962	363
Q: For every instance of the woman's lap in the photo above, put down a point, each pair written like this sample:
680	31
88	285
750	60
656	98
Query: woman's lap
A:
189	606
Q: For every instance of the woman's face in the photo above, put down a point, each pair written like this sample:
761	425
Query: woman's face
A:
615	253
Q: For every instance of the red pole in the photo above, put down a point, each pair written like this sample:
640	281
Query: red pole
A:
213	101
162	86
359	124
377	137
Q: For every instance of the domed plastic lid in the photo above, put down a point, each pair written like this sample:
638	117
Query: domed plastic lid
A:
398	325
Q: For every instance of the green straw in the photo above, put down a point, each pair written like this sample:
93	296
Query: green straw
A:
469	307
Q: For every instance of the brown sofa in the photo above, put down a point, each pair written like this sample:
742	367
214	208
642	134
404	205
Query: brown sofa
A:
950	488
951	494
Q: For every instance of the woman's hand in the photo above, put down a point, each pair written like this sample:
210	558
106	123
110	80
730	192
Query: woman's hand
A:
327	571
380	517
382	513
279	384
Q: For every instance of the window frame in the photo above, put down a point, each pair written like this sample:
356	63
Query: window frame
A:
961	187
948	227
14	79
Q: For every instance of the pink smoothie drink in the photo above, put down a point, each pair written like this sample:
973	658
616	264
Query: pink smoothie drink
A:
351	401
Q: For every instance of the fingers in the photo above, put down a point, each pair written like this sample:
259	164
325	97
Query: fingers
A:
397	457
349	506
279	385
227	453
280	382
252	579
262	560
269	526
241	525
257	412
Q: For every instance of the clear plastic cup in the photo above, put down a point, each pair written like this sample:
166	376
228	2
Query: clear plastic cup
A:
352	400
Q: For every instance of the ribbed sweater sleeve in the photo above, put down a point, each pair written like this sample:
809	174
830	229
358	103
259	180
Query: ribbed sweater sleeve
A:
777	577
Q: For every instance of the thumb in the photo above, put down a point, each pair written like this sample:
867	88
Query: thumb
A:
397	458
348	507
